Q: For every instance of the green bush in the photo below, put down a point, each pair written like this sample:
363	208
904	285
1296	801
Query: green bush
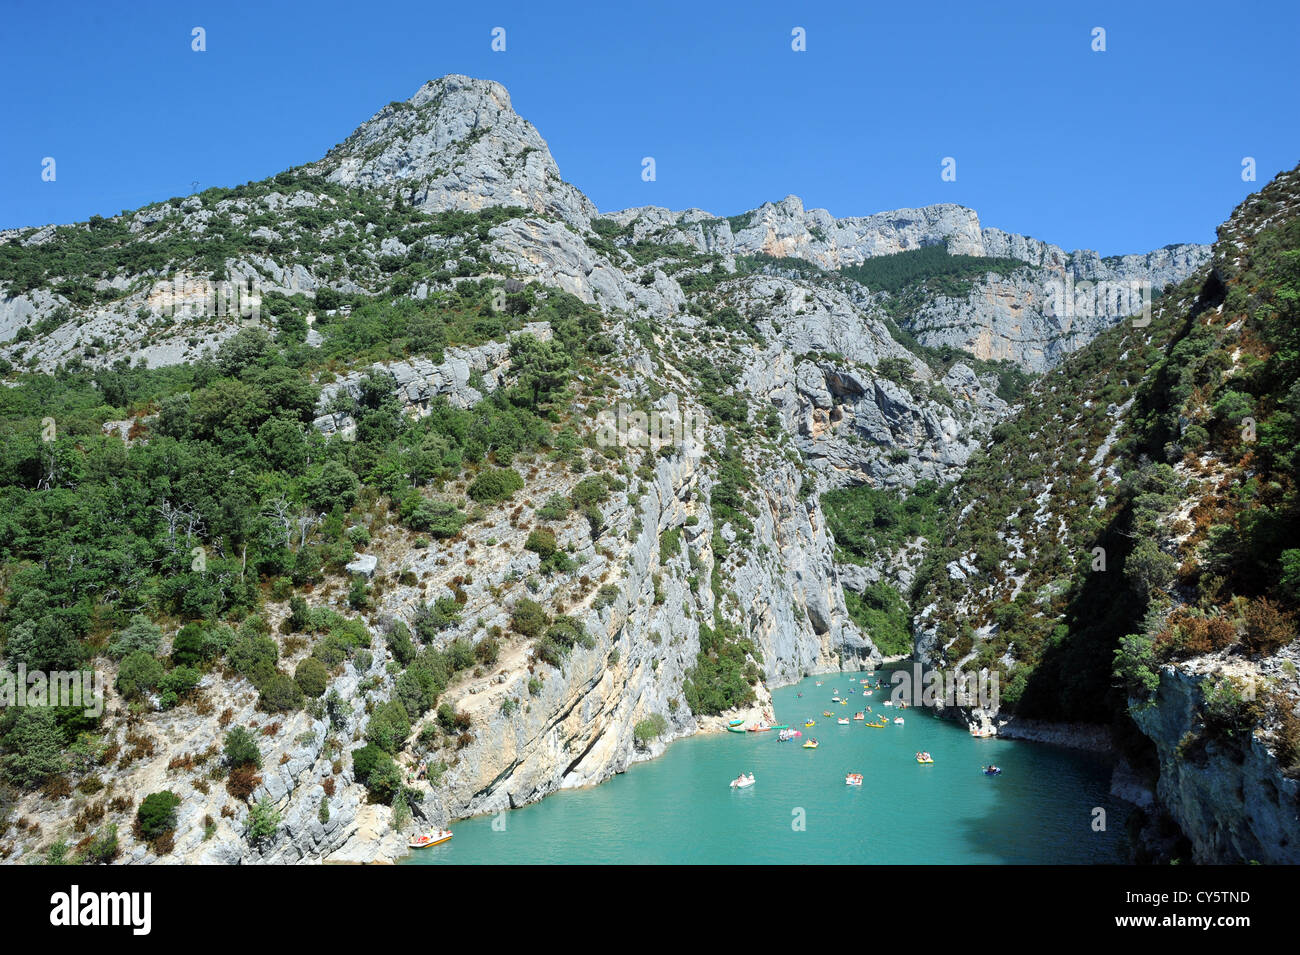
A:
140	634
389	726
556	508
139	674
241	748
495	484
541	541
528	617
263	821
190	647
280	694
157	813
312	677
649	729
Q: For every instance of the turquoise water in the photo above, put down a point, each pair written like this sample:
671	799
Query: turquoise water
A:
679	808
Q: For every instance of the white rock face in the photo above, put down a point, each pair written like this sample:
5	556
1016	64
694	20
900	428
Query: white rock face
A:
458	144
1014	317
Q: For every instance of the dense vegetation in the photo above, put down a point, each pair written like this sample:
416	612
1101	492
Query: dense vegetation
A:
871	525
1187	552
224	500
932	266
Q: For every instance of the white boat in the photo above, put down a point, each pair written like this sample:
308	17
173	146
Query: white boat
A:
742	781
889	702
843	722
435	838
898	720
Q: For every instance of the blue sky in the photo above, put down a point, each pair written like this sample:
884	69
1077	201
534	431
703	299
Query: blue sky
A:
1120	151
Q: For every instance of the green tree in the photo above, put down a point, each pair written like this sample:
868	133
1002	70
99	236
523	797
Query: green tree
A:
36	747
241	748
541	368
139	673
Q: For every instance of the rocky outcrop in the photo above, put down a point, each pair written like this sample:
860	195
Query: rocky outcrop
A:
418	381
1022	317
1226	794
457	144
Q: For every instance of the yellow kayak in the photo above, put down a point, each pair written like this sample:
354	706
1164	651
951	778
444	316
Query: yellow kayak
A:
811	744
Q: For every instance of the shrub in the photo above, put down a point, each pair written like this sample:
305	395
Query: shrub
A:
528	617
242	781
649	729
389	726
442	519
263	821
189	648
399	643
157	814
1268	628
589	491
280	694
139	674
1228	711
312	677
541	541
496	484
241	749
140	634
102	849
487	650
556	508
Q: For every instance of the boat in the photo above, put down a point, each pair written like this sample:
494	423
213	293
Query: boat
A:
877	726
992	771
760	728
788	734
811	744
742	781
924	758
889	702
809	722
819	682
853	779
736	722
842	721
859	717
987	732
835	699
735	729
898	721
781	726
426	839
827	713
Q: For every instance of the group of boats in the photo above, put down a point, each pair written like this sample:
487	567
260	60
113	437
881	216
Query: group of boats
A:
786	734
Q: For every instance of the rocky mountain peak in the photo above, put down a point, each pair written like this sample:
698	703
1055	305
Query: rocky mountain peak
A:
457	144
